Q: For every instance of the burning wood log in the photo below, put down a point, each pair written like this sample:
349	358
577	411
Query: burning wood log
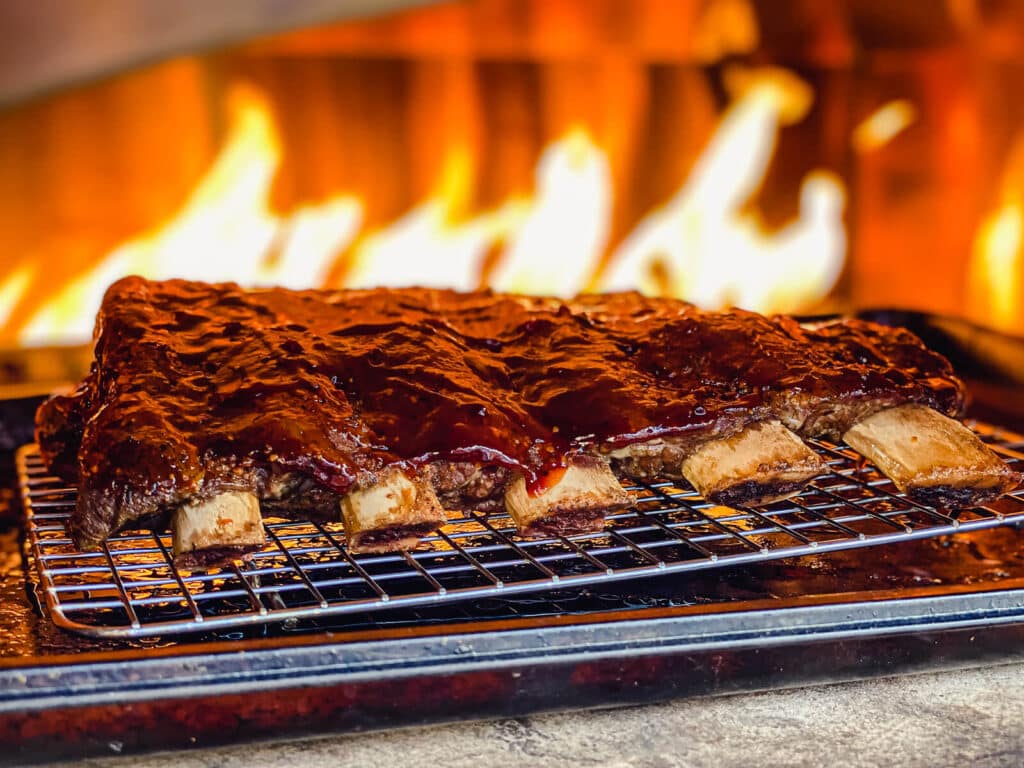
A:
218	529
932	458
567	501
763	463
390	515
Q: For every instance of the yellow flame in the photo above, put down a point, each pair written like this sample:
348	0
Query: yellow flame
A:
998	257
726	27
883	125
12	289
704	247
224	231
564	231
996	271
428	246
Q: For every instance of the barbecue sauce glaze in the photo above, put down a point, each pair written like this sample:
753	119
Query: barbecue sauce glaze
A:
198	388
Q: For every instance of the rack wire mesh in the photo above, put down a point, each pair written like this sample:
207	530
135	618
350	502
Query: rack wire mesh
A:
131	588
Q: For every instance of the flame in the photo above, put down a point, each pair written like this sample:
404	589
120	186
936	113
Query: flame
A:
427	246
704	247
726	27
12	289
704	244
883	125
224	231
564	231
430	247
996	270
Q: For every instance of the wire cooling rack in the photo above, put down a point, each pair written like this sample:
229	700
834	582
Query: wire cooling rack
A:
131	588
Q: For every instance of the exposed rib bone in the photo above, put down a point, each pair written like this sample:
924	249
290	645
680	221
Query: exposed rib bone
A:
570	501
217	530
392	514
930	457
764	462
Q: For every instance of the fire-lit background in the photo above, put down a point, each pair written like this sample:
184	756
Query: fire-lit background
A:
783	155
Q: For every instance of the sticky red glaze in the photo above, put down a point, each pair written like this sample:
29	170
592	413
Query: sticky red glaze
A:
195	384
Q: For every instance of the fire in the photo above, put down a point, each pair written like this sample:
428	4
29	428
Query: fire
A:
224	231
726	27
565	228
11	291
996	271
883	125
703	244
704	247
428	246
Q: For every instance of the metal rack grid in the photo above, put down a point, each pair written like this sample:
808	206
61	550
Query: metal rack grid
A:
130	588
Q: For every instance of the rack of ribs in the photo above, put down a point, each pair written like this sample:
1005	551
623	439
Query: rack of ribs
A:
208	406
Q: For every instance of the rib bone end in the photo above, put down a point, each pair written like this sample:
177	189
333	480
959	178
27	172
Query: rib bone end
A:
932	458
764	462
574	502
217	530
391	515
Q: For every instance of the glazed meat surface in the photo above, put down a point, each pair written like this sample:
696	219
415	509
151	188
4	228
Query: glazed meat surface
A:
302	396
